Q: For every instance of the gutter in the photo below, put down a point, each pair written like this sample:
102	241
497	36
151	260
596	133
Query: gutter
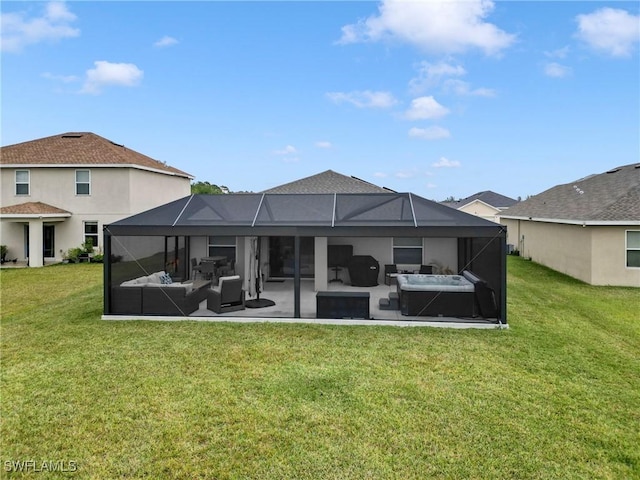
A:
584	223
28	166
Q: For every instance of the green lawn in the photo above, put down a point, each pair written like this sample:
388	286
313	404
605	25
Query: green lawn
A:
555	396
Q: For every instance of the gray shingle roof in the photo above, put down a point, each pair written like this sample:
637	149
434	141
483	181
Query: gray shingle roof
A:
328	182
33	208
491	198
613	196
79	148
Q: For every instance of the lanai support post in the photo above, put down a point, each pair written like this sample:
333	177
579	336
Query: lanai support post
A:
296	277
106	271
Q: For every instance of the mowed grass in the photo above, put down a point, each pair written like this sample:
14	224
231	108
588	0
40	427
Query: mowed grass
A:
555	396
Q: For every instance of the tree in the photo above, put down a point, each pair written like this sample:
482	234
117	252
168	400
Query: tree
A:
208	188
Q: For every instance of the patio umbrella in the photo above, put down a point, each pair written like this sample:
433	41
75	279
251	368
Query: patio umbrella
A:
255	277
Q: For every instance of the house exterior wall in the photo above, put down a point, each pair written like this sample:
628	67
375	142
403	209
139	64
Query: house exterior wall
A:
115	193
149	190
593	254
609	257
565	248
481	209
442	252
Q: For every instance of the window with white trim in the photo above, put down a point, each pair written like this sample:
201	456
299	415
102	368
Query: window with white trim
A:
83	182
407	250
91	233
633	248
222	247
22	182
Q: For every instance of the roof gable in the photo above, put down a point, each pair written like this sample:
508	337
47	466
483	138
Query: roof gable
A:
613	196
328	182
488	197
80	149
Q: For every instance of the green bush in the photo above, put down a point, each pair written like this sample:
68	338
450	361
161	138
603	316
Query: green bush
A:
74	253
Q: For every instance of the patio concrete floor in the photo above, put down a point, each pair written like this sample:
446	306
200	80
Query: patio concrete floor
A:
281	292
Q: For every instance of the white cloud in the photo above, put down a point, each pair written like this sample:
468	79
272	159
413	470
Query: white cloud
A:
609	30
288	150
462	88
60	78
431	185
380	175
556	70
439	74
559	53
430	133
446	163
364	99
435	26
430	75
165	41
323	144
18	31
111	74
424	108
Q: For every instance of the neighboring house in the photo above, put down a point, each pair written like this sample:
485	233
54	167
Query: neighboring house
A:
487	204
59	191
328	182
589	229
298	224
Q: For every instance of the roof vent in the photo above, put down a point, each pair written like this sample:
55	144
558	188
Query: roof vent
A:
117	144
614	170
72	135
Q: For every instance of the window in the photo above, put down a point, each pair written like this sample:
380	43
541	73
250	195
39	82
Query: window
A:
407	250
22	182
83	182
91	233
633	248
223	247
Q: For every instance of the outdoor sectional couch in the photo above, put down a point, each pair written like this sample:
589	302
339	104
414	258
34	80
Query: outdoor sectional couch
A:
146	295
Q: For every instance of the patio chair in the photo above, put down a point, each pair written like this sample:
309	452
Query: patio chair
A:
208	269
390	273
227	270
227	296
195	268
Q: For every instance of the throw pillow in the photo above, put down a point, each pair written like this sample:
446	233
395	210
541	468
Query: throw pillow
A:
166	279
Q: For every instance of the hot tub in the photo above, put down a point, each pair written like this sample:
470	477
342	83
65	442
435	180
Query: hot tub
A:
436	296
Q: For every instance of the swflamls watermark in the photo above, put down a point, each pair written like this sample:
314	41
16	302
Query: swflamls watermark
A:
40	466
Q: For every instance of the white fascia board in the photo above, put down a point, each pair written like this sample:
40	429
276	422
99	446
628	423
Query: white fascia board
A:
28	166
573	222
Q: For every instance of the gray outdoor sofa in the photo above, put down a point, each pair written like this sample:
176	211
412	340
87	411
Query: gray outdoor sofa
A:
147	296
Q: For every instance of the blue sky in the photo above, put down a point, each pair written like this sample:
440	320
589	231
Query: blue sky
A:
436	98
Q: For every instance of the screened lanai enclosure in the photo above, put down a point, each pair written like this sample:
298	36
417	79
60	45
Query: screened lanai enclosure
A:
383	256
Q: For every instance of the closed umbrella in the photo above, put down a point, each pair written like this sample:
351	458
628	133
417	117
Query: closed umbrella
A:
255	277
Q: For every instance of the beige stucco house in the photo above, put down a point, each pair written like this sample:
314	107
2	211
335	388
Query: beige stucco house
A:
487	205
59	191
588	229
